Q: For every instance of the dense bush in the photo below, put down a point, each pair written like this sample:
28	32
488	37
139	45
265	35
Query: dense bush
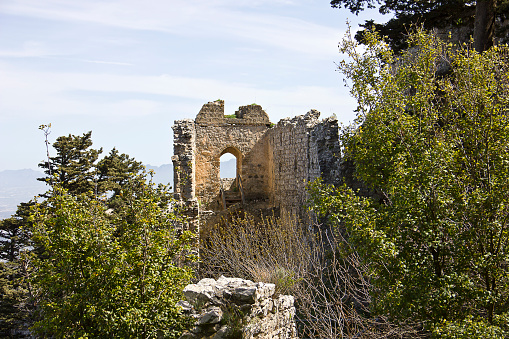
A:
105	273
432	138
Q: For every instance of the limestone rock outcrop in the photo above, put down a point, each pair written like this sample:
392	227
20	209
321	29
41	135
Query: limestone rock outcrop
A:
237	308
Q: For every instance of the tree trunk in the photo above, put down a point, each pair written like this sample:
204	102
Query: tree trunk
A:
484	24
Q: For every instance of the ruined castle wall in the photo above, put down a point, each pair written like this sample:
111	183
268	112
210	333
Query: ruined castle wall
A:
295	161
275	163
184	164
184	149
208	138
325	141
302	149
246	143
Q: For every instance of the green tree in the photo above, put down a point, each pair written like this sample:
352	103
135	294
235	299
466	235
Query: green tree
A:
77	168
74	165
450	14
13	237
14	307
115	170
134	267
432	138
15	303
105	275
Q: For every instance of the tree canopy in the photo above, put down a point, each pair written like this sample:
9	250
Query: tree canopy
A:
104	275
484	20
76	168
101	256
432	139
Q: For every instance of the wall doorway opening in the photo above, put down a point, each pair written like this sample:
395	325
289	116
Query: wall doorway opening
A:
228	166
230	163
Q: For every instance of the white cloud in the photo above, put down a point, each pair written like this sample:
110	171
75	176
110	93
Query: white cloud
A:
68	66
24	92
28	49
219	19
107	62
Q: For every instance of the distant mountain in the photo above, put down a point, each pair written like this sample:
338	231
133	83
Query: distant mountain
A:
163	174
17	186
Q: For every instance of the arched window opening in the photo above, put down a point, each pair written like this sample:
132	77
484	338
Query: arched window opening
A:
230	163
228	166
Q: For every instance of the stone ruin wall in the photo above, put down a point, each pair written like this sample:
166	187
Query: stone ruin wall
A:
295	161
244	138
302	149
275	162
184	149
237	308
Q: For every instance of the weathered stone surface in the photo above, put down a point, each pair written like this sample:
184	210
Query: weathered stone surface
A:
189	335
244	304
245	294
265	290
212	315
186	306
275	163
196	293
286	301
222	333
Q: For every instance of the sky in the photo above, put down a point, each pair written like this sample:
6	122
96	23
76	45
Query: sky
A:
127	69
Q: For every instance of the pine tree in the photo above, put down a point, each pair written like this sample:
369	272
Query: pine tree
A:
75	168
14	313
114	171
14	296
74	165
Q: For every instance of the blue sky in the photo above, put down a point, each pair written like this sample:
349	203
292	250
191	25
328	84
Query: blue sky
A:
126	69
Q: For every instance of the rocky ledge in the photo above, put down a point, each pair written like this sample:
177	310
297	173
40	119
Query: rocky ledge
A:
237	308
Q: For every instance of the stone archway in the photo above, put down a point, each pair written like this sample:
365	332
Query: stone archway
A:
238	159
274	161
212	134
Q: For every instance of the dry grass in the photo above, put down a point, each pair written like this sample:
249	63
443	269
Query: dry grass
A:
311	263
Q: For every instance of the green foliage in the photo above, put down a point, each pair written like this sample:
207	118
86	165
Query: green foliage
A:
429	14
231	116
284	279
12	238
470	328
431	138
76	167
101	257
105	274
13	301
15	305
115	170
73	166
232	317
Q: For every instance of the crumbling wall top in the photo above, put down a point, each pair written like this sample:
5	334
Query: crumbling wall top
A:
212	114
310	120
253	113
